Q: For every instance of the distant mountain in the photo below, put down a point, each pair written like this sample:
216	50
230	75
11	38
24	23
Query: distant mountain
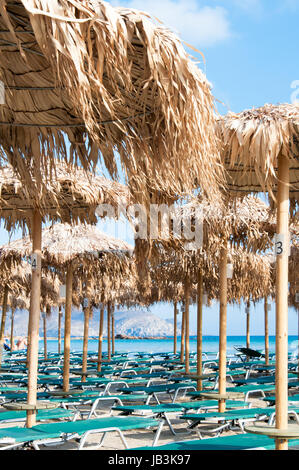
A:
128	323
142	324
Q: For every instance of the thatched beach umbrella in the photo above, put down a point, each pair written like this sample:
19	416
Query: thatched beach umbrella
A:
260	153
108	278
91	255
245	222
251	279
73	196
49	292
115	288
50	285
163	289
105	79
12	283
21	302
293	273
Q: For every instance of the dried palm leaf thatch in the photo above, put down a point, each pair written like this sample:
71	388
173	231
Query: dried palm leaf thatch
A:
50	294
20	302
252	276
293	298
92	252
293	257
251	143
18	280
71	195
14	278
165	291
119	288
107	80
16	275
246	222
251	281
293	268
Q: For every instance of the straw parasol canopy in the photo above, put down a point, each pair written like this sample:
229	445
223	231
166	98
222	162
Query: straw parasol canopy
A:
251	143
251	279
293	267
71	195
65	202
105	79
119	288
14	277
260	153
20	302
246	222
50	294
81	251
85	245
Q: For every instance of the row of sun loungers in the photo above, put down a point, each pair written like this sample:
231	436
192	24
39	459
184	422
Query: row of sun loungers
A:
145	392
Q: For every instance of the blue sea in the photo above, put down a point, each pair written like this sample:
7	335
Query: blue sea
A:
210	344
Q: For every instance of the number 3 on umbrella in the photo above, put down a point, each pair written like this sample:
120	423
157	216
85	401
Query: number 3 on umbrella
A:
280	244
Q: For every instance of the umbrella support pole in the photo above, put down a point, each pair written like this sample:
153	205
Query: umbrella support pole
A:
67	327
3	320
187	327
199	327
183	334
248	327
101	329
113	331
34	314
59	329
12	344
109	330
266	331
282	248
45	336
87	313
222	326
175	314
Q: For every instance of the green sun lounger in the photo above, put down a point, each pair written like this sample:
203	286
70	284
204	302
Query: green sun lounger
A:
175	407
247	390
41	415
291	399
238	417
21	396
252	389
164	410
94	402
237	442
153	390
260	380
60	432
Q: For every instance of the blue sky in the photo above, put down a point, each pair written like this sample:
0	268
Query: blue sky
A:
250	46
250	50
251	58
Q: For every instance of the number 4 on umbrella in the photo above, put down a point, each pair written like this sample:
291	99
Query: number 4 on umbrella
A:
35	265
281	244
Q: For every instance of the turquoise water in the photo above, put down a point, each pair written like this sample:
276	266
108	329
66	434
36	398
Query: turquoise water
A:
210	344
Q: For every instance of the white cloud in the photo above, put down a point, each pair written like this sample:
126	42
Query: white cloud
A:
200	26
